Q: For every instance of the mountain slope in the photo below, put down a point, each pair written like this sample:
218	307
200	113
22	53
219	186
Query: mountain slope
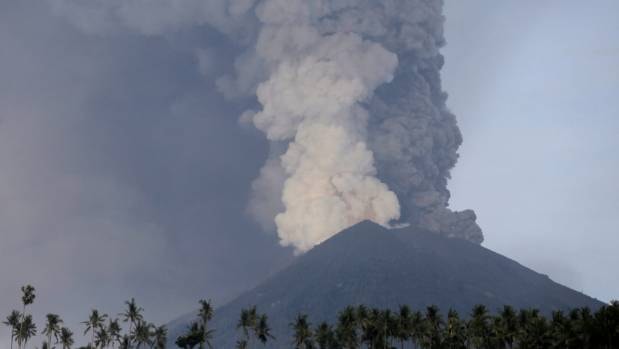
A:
368	264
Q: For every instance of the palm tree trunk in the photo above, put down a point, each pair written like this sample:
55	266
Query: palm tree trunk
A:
21	325
385	337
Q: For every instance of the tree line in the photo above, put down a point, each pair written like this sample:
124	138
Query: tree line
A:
102	330
372	328
356	327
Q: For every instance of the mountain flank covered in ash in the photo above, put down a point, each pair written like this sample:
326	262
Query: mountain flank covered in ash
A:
368	264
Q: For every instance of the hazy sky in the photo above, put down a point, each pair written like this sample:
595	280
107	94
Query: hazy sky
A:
536	88
124	173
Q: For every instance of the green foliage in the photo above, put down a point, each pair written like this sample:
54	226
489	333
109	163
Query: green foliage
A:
141	334
52	328
356	327
252	324
302	333
13	321
66	338
28	295
26	330
160	337
324	336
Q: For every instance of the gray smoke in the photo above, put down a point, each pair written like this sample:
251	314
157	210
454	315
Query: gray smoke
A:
411	134
349	94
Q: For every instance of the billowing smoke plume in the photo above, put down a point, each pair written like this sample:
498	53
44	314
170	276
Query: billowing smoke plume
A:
349	94
313	99
362	123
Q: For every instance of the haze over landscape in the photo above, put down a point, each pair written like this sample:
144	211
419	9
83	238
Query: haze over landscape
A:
128	156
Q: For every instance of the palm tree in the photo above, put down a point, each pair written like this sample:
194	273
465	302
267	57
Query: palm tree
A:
27	329
386	327
28	295
506	327
160	336
205	336
404	324
253	320
263	331
324	336
205	314
94	322
455	334
248	322
102	337
575	335
52	328
244	323
560	330
346	331
479	328
13	321
538	334
141	334
433	328
66	338
206	311
528	320
125	342
417	328
365	320
302	332
133	314
607	326
586	325
193	337
241	344
113	329
27	298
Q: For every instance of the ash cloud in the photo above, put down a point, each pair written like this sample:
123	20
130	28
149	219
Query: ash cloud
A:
113	183
409	139
347	91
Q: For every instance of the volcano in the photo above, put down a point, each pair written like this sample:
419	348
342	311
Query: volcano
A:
369	264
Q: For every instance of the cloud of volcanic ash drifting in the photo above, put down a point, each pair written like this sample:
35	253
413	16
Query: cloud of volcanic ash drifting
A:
354	88
348	93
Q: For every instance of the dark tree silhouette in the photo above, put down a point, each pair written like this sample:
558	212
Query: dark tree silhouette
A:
324	336
302	333
13	322
52	328
93	324
66	338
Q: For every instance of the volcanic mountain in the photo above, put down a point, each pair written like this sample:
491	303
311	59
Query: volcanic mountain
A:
368	264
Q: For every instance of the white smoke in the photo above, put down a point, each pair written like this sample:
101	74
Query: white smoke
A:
313	98
350	97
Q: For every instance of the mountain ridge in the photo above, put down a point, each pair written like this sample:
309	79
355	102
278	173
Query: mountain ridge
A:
369	264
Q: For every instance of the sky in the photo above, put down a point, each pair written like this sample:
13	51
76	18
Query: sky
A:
124	173
535	86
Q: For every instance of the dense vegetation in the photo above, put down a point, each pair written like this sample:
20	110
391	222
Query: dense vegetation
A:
356	327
